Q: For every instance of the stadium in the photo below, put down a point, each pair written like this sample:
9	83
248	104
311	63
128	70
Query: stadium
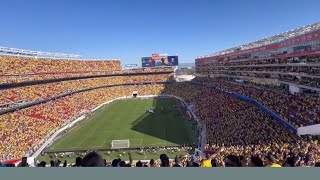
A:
260	108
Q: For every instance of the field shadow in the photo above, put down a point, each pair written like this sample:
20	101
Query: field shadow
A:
168	123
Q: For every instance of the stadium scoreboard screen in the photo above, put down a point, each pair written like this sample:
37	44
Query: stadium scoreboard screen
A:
157	60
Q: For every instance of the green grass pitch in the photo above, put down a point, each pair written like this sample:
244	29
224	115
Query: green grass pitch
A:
129	119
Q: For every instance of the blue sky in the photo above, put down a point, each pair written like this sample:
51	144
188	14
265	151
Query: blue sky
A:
129	29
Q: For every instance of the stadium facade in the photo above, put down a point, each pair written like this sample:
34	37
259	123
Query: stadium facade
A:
290	59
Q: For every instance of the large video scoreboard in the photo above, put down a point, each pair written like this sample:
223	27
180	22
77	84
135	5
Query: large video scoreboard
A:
157	60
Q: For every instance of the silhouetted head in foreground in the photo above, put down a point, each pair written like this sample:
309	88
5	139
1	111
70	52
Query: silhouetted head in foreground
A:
115	162
232	161
78	162
152	163
42	164
290	162
122	164
139	164
255	162
92	159
214	163
164	160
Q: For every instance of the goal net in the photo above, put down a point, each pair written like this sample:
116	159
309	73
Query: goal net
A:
120	144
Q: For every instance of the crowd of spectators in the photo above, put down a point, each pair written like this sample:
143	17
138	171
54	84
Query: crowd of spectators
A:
271	61
298	70
21	69
310	81
23	131
298	110
94	159
237	132
306	80
44	91
25	65
235	127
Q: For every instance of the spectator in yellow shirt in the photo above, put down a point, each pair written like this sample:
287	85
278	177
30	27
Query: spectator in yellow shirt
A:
271	161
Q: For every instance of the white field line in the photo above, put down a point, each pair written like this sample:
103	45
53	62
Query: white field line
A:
164	134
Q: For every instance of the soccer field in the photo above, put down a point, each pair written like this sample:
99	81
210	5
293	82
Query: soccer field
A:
129	119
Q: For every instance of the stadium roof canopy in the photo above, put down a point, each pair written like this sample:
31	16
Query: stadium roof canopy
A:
22	52
38	54
270	40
